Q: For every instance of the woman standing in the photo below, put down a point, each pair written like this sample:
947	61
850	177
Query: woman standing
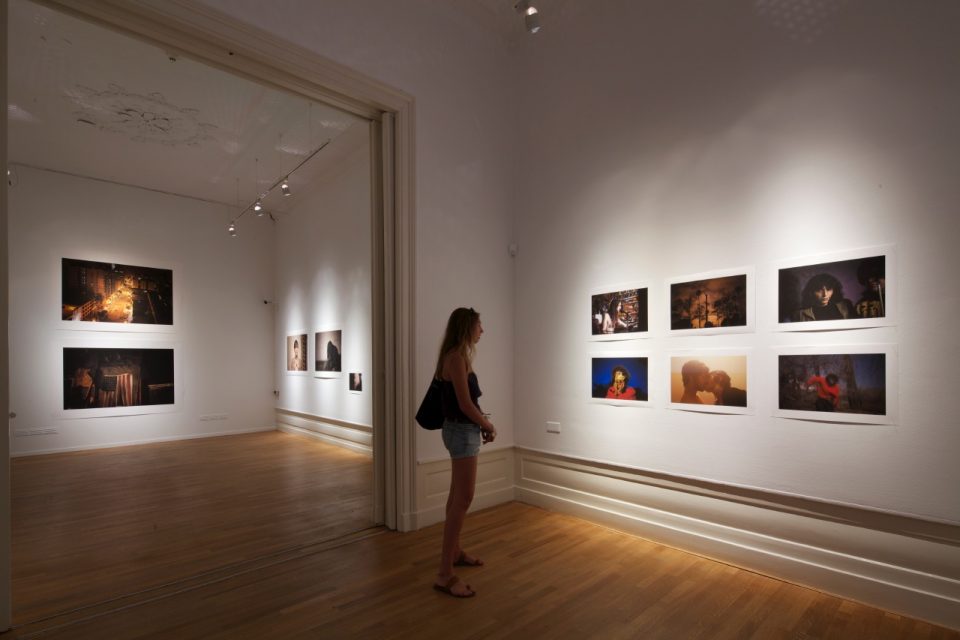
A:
464	429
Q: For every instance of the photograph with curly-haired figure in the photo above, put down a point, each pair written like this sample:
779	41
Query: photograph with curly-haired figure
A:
822	298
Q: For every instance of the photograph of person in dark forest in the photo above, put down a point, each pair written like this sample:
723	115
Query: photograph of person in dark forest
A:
828	391
823	299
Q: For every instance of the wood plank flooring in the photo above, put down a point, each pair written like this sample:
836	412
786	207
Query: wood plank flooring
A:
94	525
548	575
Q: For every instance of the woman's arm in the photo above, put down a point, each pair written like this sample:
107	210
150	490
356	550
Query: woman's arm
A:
456	368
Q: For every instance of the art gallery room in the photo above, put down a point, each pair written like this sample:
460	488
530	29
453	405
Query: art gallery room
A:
712	246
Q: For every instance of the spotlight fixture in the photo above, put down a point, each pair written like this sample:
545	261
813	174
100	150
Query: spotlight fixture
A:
284	183
531	17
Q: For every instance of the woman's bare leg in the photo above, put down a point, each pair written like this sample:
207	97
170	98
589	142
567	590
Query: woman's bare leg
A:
463	479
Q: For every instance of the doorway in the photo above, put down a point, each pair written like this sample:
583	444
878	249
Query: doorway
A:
389	324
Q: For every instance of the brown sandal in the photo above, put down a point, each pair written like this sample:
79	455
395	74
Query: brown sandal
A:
448	588
463	561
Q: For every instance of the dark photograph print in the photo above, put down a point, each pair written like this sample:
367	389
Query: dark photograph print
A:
718	382
709	304
846	290
619	379
824	384
297	352
101	378
356	382
327	351
619	313
116	293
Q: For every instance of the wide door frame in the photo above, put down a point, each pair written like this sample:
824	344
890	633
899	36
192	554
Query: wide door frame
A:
214	38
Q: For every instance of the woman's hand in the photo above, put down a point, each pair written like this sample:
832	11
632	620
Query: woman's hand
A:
489	435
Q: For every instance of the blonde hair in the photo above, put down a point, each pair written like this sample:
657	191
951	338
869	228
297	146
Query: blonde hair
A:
458	337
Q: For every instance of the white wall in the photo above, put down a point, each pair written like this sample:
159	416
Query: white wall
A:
223	356
323	282
681	137
460	76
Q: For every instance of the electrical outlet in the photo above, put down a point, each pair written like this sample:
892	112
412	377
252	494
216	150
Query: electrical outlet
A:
553	427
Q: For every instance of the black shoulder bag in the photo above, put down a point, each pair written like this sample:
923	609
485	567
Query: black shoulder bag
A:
430	413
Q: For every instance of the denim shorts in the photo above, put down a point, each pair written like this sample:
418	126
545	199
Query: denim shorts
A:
462	440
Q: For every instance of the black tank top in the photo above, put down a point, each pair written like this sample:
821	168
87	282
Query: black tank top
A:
451	408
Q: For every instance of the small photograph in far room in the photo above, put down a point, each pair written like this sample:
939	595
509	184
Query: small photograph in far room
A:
356	382
297	352
327	354
709	382
619	379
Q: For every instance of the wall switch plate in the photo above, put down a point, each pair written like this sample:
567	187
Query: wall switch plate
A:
553	427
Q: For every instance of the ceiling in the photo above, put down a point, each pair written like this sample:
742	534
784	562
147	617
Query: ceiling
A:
91	102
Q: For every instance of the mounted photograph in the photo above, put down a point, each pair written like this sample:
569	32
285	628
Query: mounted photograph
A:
710	381
102	378
715	302
620	379
111	293
297	353
849	291
327	354
833	384
619	313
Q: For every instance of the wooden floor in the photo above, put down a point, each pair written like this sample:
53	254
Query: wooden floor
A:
547	576
95	525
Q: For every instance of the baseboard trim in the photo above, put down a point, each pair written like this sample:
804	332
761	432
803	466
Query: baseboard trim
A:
901	571
348	435
322	437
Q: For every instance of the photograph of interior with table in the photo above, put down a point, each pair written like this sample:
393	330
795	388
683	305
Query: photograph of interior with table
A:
296	301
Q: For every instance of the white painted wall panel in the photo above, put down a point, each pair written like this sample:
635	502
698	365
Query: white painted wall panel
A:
674	138
221	326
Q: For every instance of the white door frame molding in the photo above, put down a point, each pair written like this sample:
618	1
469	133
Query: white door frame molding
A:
214	38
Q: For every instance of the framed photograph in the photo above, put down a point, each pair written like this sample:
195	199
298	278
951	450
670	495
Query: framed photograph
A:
856	384
620	379
846	290
711	381
355	383
105	381
297	354
619	312
326	352
104	296
714	302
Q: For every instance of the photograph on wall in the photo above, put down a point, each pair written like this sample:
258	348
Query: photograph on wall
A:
619	313
101	378
327	355
710	381
716	302
620	379
119	294
836	384
839	291
297	353
356	382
